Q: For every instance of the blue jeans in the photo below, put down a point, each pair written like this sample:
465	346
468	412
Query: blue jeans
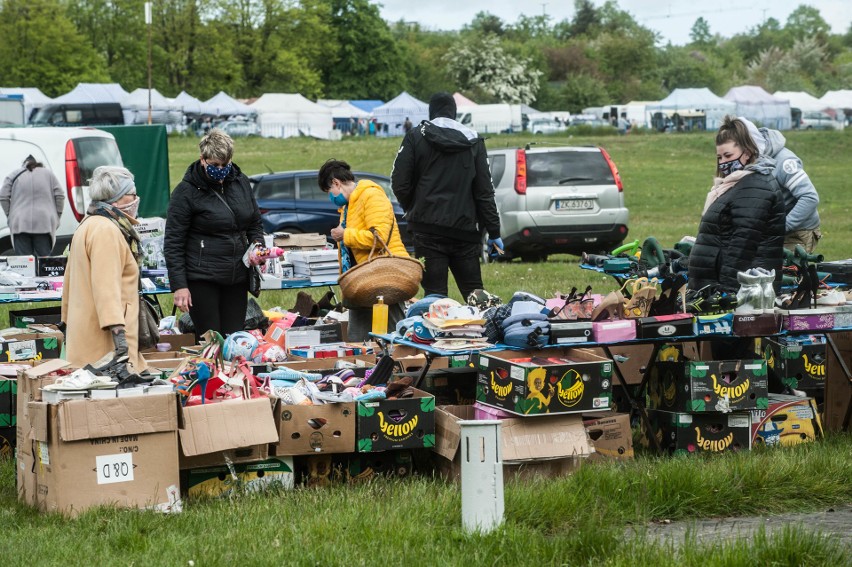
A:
444	254
29	244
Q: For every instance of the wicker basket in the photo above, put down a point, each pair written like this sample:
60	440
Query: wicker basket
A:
395	278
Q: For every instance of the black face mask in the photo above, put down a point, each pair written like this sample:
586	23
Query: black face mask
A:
728	167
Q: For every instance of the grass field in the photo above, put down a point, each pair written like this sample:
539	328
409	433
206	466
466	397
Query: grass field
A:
577	520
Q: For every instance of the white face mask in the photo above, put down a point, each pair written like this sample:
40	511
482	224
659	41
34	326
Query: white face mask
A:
131	209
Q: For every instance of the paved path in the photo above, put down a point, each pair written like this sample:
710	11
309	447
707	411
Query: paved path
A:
835	522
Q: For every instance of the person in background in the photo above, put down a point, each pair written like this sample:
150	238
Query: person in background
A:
33	201
100	294
623	124
212	219
800	195
406	126
364	205
441	179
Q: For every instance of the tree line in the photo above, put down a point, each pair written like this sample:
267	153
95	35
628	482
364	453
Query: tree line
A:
344	49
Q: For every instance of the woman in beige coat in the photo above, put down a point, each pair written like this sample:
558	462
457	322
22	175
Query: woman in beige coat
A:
100	297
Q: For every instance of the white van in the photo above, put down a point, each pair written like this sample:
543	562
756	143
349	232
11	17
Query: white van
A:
491	118
72	154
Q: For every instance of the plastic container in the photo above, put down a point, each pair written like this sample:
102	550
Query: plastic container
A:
163	347
380	317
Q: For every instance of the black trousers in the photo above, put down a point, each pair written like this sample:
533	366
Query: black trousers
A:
218	307
443	254
29	244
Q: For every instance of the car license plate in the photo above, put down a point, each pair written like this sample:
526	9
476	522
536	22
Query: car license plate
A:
574	204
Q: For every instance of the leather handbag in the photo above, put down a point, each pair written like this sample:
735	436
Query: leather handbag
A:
394	278
254	280
149	324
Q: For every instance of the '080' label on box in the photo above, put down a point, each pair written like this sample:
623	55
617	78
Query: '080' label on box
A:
114	468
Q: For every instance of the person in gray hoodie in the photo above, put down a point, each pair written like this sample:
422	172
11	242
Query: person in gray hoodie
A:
800	195
33	200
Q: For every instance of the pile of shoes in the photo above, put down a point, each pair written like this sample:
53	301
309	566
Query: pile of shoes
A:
641	295
757	292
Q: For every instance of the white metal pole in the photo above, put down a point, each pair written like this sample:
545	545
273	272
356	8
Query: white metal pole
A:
149	19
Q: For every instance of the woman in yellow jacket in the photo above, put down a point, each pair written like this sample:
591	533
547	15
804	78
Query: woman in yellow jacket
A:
363	206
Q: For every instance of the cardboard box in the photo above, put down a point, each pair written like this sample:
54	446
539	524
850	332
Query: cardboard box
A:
614	331
610	435
820	319
548	446
570	332
631	360
21	318
275	472
794	362
450	386
686	433
51	266
222	426
406	423
32	380
761	325
720	324
535	382
22	265
8	401
308	430
30	346
664	326
308	240
789	420
176	342
838	388
240	455
708	386
116	452
7	442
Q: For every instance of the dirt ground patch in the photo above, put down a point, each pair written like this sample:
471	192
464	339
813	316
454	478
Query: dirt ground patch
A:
835	522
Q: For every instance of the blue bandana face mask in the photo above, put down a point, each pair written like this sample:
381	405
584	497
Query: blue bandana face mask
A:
218	173
728	167
338	200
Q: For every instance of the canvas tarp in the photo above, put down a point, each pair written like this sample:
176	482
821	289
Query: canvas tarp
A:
394	112
223	105
93	92
33	97
702	100
145	152
801	100
284	115
163	110
760	107
366	105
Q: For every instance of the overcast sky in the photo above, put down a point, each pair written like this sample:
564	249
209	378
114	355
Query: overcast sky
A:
673	19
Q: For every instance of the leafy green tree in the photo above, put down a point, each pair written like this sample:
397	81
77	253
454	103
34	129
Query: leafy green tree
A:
586	18
369	62
687	67
42	48
700	33
486	22
806	21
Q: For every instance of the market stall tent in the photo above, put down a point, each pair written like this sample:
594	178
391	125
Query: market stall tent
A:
343	109
462	100
760	107
282	115
837	99
694	101
394	112
33	98
800	100
189	104
93	92
223	105
163	110
366	105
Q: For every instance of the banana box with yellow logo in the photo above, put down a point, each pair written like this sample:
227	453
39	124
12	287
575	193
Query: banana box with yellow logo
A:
708	386
404	423
796	362
227	480
557	380
789	420
686	433
20	346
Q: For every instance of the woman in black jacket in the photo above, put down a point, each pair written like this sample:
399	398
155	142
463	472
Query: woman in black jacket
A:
743	223
212	219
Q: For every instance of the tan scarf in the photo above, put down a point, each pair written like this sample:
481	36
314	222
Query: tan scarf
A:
721	186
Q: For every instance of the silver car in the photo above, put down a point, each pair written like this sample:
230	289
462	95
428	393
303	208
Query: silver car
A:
557	200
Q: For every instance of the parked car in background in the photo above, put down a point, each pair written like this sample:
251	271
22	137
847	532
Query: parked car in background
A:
72	154
819	121
545	126
557	200
291	201
588	120
79	114
239	128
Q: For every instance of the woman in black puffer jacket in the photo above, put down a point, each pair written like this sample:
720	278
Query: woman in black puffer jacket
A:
212	219
743	223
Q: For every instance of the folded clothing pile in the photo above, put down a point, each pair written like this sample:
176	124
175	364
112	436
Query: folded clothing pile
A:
526	324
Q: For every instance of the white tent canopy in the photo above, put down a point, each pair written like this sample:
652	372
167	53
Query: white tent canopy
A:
837	99
163	110
343	109
282	115
189	104
394	112
462	100
700	99
761	107
800	100
33	97
223	105
93	92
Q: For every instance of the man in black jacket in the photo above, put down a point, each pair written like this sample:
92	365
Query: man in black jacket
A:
441	179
